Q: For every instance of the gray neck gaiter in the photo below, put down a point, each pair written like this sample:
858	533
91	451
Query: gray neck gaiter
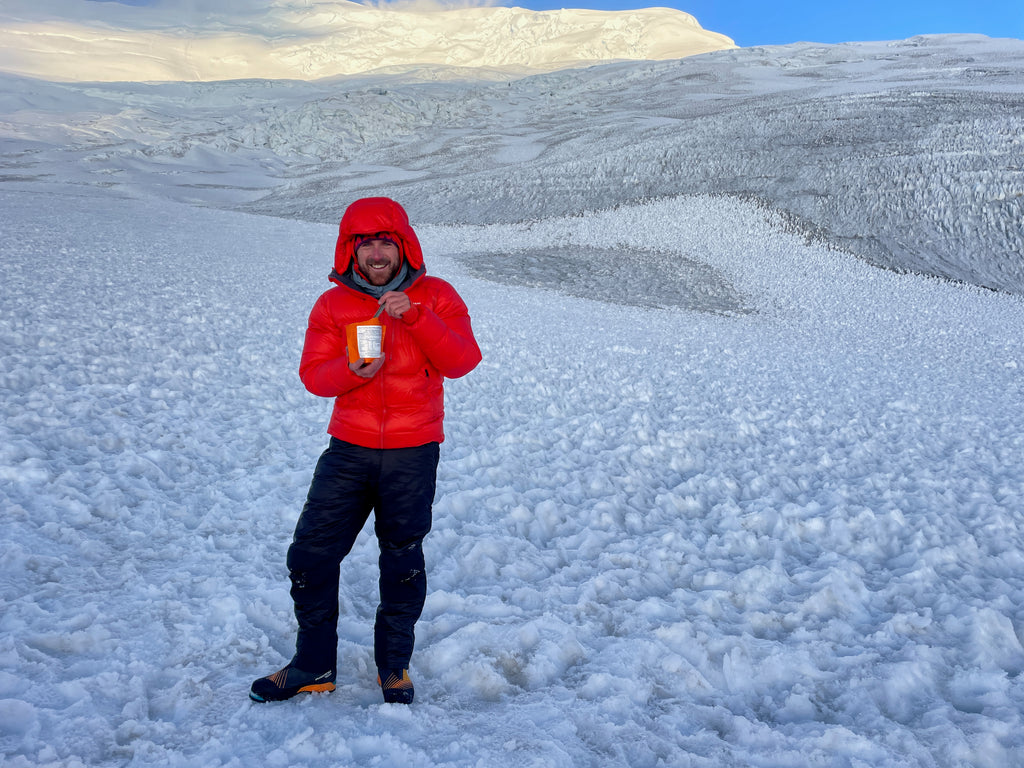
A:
379	290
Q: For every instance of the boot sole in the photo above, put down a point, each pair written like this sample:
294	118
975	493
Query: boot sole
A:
318	688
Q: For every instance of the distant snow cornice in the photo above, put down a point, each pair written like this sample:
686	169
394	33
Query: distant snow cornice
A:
342	38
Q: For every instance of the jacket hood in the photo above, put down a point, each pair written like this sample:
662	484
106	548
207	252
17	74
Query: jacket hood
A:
368	216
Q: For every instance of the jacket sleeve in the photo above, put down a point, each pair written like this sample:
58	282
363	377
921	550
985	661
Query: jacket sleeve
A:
323	367
445	335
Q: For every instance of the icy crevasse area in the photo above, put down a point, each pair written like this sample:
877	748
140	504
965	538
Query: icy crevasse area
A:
907	154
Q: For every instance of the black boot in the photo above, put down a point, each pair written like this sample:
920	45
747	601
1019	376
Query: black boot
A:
395	685
289	682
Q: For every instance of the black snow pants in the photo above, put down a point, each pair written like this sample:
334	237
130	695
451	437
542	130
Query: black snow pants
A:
349	482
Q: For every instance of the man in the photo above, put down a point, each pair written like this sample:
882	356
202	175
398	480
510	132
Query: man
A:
385	430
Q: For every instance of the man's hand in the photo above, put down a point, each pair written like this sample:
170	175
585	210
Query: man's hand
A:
395	303
366	370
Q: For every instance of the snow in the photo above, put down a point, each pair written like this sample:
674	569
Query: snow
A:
176	40
907	154
720	493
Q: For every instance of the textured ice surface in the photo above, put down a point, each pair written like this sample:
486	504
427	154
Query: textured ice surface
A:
774	520
637	277
908	154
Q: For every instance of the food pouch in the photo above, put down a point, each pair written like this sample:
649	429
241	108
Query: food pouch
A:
365	340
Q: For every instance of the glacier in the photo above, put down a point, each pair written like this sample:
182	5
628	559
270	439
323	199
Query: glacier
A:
739	481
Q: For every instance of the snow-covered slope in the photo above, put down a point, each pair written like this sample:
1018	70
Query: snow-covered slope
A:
720	495
776	522
908	154
323	39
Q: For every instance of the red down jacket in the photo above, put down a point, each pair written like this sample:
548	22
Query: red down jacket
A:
403	405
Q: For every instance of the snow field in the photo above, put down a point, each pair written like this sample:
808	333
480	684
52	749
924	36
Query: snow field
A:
781	494
284	41
908	153
783	536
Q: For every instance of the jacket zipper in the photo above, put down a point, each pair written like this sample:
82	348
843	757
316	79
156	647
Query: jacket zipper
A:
383	402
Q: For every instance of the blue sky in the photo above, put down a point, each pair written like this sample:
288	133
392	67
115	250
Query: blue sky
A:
771	22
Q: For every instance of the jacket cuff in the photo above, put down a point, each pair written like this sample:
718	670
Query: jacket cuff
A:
411	315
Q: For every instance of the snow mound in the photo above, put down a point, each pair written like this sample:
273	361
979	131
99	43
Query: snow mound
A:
332	38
